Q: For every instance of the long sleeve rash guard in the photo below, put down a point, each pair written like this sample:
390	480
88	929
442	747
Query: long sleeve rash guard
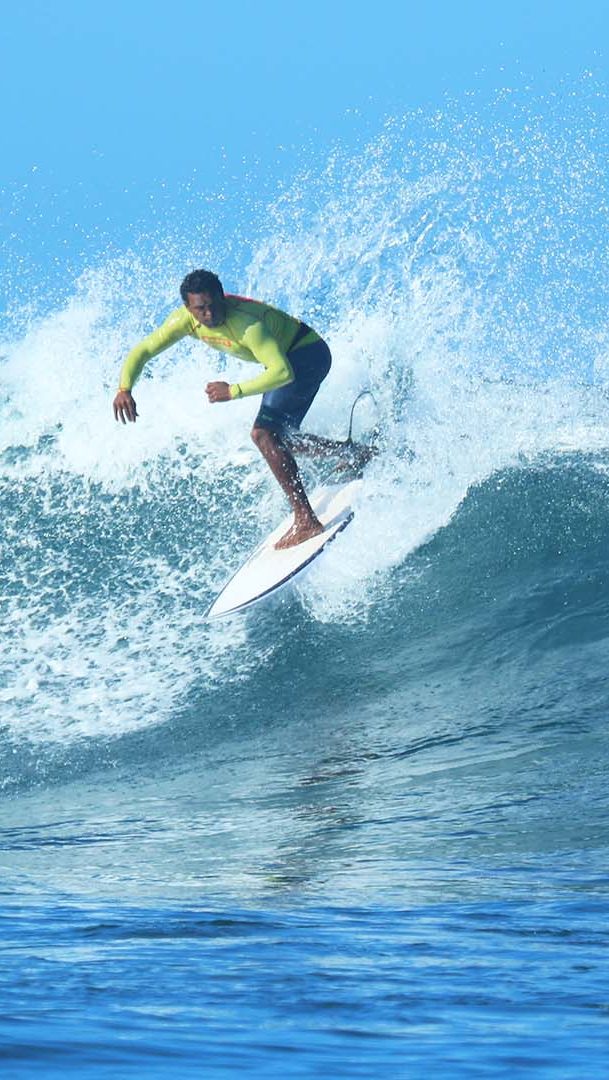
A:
251	330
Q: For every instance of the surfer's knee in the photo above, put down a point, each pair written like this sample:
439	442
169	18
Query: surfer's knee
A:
263	438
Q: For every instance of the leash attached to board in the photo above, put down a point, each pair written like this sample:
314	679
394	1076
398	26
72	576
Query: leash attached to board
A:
362	394
350	462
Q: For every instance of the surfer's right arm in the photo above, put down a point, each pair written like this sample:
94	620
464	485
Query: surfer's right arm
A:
176	326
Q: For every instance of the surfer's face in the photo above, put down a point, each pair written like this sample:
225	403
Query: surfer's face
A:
207	308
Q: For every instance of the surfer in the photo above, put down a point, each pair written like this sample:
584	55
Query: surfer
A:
295	359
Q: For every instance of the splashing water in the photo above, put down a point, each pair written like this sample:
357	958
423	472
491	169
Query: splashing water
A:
440	262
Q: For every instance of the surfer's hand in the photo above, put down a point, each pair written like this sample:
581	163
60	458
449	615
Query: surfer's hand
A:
124	407
218	391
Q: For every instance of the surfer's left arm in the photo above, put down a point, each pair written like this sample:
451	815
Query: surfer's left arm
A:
175	327
267	351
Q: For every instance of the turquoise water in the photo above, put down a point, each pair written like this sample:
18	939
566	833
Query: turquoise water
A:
362	829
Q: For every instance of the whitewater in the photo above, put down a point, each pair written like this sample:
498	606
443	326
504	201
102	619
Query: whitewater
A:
361	829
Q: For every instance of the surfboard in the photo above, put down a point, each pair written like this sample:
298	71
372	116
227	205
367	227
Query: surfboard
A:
267	570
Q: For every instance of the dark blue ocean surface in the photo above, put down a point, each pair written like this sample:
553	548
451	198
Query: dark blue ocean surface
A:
517	987
362	829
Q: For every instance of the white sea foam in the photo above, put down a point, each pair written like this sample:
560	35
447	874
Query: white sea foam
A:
422	267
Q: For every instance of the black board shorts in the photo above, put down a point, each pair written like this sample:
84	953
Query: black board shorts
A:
285	408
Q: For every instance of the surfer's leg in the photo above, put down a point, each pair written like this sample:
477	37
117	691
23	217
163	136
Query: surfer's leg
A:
354	455
283	410
285	470
280	413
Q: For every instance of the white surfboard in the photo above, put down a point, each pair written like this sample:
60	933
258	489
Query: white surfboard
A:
268	570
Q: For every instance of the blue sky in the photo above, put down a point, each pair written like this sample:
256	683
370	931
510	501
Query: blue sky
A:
113	112
133	90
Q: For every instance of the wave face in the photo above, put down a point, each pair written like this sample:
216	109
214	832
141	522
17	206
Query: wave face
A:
440	262
421	719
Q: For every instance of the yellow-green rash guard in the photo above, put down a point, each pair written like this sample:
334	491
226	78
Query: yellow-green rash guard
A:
251	330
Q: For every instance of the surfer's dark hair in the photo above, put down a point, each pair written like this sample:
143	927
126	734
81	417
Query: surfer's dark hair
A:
201	281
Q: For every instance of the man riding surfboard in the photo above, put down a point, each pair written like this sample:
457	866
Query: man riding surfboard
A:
295	359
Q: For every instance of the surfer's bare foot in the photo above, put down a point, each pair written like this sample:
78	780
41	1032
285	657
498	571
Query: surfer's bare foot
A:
299	532
356	456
